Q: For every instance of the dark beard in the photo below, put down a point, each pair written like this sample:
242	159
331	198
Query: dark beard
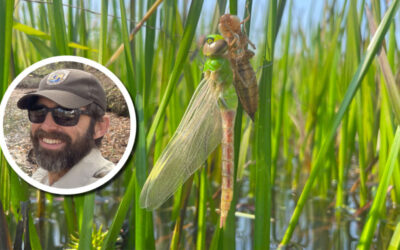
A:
65	159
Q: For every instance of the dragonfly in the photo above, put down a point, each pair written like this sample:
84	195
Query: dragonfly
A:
244	77
207	122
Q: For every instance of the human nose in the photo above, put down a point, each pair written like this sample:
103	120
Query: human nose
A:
49	123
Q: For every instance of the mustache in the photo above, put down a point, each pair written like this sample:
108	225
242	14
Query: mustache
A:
40	134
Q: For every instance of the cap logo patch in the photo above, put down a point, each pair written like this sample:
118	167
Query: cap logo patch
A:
57	77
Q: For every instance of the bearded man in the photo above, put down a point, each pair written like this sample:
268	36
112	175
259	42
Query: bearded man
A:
68	122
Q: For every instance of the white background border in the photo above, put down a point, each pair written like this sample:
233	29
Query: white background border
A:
128	149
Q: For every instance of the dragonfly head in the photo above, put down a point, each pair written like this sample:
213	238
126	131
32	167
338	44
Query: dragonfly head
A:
215	45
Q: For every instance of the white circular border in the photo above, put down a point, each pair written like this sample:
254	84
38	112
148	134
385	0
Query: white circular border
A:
128	149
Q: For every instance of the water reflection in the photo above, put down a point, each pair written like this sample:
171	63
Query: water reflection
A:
318	227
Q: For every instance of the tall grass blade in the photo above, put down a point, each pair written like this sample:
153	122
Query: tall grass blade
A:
281	107
33	236
393	93
351	90
19	191
149	52
379	201
120	49
31	31
220	8
188	36
233	7
201	233
393	90
116	224
6	22
142	237
395	241
86	226
5	238
70	215
352	55
57	28
103	32
263	130
184	198
36	37
127	49
83	32
42	22
70	15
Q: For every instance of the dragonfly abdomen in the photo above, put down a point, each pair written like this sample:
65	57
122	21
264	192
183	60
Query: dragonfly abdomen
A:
228	117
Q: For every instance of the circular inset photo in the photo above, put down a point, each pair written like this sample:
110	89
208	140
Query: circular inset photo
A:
67	125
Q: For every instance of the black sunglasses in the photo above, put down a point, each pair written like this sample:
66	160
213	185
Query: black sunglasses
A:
61	116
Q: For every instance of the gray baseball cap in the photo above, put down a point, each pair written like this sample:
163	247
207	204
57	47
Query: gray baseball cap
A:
69	88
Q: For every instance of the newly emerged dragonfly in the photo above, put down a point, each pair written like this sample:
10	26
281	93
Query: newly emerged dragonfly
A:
244	77
207	122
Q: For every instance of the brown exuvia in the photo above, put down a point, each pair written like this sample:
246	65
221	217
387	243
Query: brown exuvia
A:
244	77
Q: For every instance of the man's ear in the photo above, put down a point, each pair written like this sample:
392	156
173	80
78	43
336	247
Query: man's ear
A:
101	127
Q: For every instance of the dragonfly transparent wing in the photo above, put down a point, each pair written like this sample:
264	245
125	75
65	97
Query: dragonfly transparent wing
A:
197	135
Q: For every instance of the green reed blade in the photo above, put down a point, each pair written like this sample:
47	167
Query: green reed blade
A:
127	48
86	226
103	32
142	237
184	198
219	10
149	52
352	55
281	107
119	217
57	28
33	236
83	32
132	34
37	36
5	183
379	201
19	191
70	15
6	22
216	242
174	110
5	238
362	151
41	47
351	90
201	231
395	241
42	22
188	36
390	82
244	147
263	130
31	31
233	7
70	215
31	14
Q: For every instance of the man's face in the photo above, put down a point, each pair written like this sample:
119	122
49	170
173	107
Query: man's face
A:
58	148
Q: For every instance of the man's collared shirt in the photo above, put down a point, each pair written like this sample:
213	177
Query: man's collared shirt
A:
91	168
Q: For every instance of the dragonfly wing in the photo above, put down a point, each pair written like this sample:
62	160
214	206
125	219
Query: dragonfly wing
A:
197	135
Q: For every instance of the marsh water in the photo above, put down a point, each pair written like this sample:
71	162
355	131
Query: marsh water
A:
317	229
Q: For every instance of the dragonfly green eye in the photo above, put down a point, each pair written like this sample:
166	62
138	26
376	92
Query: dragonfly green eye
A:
215	45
